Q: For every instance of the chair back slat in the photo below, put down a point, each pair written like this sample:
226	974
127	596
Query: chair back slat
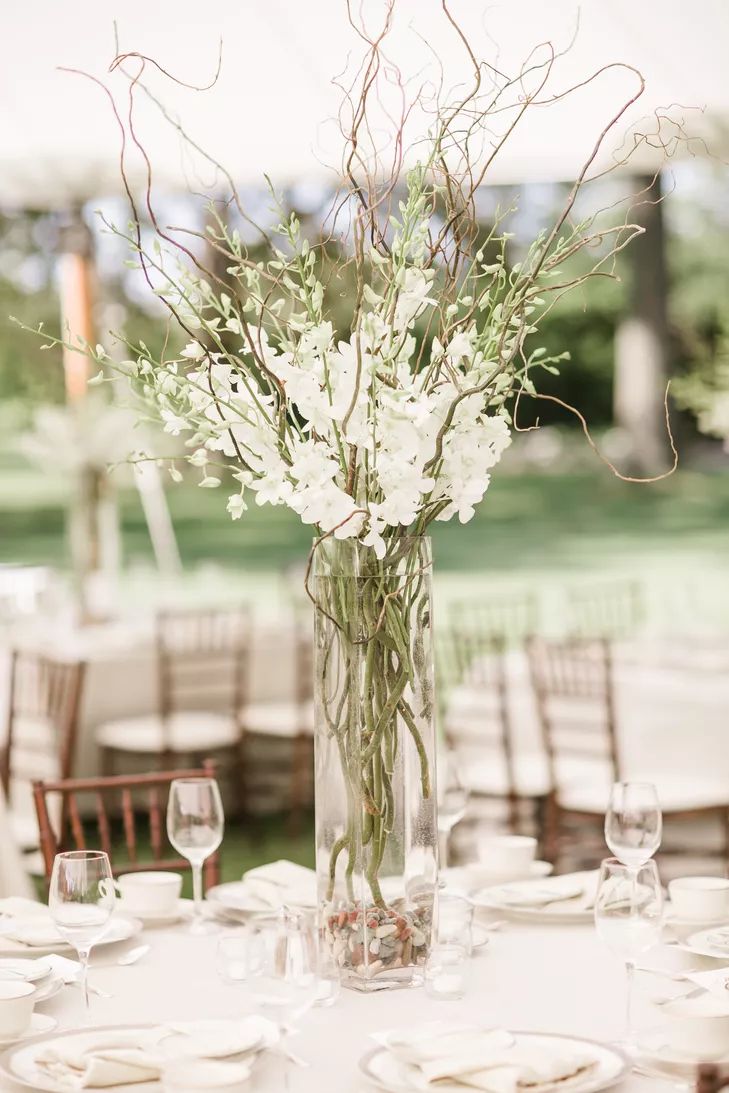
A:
611	609
510	618
130	833
711	1078
573	687
123	797
77	827
203	660
102	821
155	823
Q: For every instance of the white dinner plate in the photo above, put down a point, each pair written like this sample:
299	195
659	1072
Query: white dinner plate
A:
236	897
568	911
120	928
22	968
18	1062
40	1023
611	1066
476	875
700	944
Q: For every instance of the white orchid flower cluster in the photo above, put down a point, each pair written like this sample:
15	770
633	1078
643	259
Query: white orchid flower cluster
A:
363	436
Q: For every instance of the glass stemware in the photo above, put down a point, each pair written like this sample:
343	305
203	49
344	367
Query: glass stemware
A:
452	801
629	917
81	900
633	822
195	825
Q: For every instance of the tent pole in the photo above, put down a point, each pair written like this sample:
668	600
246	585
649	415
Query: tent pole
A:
642	354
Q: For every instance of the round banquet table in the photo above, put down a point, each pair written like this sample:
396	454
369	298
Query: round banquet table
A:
551	978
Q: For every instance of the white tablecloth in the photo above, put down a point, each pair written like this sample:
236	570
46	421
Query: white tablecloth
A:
549	979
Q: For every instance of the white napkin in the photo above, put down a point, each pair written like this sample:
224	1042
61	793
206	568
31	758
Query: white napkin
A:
126	1057
103	1059
449	1058
281	882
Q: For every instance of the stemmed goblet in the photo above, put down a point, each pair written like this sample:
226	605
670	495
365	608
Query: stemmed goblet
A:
195	826
629	917
81	900
633	823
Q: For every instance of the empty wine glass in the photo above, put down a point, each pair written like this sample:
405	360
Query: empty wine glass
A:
629	917
452	801
81	900
195	829
633	822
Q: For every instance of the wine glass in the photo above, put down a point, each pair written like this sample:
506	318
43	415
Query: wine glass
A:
633	822
629	917
452	801
81	900
195	829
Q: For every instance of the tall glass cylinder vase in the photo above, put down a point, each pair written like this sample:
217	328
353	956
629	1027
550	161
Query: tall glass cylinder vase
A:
376	826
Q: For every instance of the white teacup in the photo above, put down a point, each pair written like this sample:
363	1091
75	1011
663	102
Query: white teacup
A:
699	1027
700	899
16	1007
507	855
153	893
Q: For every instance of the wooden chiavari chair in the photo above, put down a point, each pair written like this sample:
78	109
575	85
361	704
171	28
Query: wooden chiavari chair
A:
509	619
479	729
279	735
202	658
613	609
94	807
41	731
574	689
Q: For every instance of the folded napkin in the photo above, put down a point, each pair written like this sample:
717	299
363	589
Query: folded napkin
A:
32	928
281	882
103	1059
451	1058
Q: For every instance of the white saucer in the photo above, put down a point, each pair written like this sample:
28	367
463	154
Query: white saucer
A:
29	971
40	1023
154	918
700	945
48	989
656	1052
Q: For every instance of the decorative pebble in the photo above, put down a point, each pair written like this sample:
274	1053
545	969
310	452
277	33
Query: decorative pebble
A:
387	930
375	946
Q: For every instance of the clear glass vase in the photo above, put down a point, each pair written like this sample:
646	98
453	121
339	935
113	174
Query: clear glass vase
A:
376	827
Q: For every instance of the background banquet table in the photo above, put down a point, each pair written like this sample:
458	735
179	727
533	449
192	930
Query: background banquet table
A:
14	879
539	978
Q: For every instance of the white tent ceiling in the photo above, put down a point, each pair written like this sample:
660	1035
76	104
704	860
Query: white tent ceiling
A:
273	106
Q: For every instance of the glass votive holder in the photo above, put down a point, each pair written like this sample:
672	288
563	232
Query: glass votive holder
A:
212	1076
236	957
455	921
446	972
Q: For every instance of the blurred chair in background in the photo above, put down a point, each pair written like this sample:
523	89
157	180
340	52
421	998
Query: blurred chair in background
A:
25	591
279	735
613	610
479	729
202	658
574	688
107	799
510	619
41	729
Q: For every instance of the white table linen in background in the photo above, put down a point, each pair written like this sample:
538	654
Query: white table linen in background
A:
13	878
530	978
